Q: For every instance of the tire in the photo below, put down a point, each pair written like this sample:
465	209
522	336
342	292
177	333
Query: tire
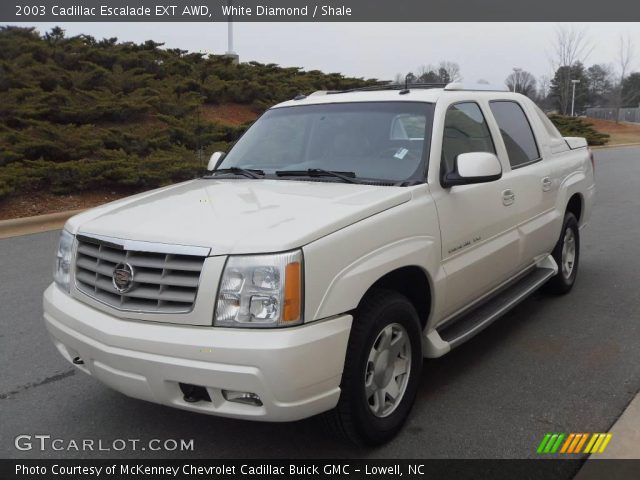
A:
382	315
568	242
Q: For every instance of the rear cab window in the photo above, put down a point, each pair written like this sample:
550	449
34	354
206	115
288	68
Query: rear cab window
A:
517	134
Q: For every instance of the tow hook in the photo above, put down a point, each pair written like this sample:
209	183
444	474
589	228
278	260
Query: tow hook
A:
194	393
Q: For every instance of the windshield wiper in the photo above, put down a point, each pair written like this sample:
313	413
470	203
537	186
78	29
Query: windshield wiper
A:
349	177
247	172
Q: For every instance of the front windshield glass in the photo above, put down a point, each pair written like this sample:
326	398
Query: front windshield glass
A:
374	140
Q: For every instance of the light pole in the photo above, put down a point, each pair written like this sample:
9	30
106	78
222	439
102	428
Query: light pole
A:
516	78
573	97
230	36
230	53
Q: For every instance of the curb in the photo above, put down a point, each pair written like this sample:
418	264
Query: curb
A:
604	147
625	445
39	223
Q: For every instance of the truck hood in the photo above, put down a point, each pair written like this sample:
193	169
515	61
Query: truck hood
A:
239	216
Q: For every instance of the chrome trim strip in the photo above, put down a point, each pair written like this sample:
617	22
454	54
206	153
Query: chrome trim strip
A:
141	246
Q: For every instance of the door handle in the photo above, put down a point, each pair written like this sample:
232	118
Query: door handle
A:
547	183
508	197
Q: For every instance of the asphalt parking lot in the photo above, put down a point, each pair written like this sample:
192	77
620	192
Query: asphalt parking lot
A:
564	364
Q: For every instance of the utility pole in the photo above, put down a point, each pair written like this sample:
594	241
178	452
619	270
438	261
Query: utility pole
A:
516	78
235	58
573	97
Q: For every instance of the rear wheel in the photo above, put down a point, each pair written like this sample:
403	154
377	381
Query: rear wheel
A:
567	255
382	370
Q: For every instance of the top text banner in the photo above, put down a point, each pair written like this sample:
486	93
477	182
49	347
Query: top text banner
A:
31	11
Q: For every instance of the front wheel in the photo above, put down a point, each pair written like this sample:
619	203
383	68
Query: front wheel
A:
566	253
382	370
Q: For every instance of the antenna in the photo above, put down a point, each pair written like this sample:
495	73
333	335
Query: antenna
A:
406	85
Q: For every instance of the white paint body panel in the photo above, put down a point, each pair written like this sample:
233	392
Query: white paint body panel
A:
466	240
239	216
291	369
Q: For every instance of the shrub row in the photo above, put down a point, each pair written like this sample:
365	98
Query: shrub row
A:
577	127
77	113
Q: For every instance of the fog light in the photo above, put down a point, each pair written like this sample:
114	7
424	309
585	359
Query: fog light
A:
247	398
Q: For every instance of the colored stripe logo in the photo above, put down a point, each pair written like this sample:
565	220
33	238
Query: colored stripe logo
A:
574	443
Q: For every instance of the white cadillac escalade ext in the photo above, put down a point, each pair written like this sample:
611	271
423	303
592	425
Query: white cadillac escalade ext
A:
346	236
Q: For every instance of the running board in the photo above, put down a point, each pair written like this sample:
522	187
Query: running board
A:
465	327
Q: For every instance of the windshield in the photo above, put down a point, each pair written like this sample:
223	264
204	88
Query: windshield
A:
374	140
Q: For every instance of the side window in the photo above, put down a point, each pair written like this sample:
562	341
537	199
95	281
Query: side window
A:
465	130
516	132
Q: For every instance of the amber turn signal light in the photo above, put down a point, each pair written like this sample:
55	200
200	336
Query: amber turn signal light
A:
292	292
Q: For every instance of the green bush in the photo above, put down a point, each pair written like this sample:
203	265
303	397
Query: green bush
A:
115	169
78	113
577	127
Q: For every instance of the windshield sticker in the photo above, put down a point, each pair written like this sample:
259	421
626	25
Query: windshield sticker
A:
401	153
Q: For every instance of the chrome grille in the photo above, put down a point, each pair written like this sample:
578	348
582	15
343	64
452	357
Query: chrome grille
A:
162	282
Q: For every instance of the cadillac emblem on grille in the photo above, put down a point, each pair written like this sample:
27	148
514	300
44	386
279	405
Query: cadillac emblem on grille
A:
123	277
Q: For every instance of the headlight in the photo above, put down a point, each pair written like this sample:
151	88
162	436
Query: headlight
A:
261	291
62	262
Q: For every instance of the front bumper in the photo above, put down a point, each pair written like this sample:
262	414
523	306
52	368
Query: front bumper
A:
296	371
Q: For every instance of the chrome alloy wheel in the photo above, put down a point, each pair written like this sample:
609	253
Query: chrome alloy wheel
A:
568	253
387	371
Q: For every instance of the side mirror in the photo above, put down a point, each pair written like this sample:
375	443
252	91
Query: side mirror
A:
215	161
474	167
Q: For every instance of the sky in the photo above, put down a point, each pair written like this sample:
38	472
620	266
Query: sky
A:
487	51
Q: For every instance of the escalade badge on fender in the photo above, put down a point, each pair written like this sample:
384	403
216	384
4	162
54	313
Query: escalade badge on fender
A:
123	277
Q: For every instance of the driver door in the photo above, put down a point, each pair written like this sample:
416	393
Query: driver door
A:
480	246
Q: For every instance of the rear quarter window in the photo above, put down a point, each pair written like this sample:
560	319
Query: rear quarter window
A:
548	125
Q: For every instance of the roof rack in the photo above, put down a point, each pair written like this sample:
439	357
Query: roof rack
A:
405	88
387	86
475	87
